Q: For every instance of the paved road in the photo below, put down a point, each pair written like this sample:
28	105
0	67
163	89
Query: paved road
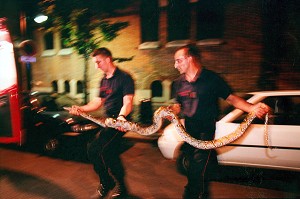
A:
149	176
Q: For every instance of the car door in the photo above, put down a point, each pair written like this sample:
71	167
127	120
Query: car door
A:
276	146
284	132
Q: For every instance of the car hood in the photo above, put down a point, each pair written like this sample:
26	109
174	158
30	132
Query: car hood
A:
64	116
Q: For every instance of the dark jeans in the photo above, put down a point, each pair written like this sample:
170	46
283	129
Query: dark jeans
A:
104	153
202	163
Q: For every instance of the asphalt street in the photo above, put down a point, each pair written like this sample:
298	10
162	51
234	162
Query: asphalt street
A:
149	175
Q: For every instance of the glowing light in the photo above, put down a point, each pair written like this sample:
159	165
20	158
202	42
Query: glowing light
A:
33	101
40	18
55	116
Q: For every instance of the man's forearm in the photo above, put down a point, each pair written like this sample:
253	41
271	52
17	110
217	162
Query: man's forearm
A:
92	105
239	103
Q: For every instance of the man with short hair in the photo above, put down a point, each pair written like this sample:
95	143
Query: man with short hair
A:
116	97
196	92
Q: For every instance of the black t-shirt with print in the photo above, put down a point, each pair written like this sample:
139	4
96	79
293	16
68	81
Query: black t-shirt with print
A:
199	99
114	89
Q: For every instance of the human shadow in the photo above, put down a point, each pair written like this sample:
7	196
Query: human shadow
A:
30	185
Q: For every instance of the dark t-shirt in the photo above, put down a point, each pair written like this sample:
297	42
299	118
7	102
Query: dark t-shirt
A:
199	99
114	89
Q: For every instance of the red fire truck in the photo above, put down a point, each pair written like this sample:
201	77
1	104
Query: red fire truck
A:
22	114
10	116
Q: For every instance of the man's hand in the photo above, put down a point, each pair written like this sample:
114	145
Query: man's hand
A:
175	108
260	109
75	110
121	117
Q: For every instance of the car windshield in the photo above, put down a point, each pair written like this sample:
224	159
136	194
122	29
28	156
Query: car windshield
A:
53	101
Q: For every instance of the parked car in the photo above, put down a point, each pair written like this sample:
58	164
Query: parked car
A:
48	126
277	148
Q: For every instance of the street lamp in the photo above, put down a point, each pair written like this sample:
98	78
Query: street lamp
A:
40	18
27	47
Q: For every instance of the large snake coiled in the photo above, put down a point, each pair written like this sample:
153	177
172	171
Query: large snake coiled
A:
166	113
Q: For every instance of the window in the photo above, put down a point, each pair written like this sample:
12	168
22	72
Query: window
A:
67	86
79	87
179	20
149	14
187	20
64	34
172	94
156	88
210	19
286	110
48	39
54	86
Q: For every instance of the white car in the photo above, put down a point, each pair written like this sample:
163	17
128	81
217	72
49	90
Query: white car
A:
276	147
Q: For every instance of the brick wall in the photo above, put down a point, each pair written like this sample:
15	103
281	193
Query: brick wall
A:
237	60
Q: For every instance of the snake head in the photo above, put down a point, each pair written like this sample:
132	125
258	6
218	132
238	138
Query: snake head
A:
110	121
114	123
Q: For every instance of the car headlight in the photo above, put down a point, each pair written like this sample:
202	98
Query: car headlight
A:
83	128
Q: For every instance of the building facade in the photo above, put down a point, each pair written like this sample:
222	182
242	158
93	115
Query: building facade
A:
229	33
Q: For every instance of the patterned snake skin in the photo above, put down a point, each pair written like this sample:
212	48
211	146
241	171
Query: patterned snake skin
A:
166	113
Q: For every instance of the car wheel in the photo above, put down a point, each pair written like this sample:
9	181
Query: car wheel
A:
182	163
50	146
